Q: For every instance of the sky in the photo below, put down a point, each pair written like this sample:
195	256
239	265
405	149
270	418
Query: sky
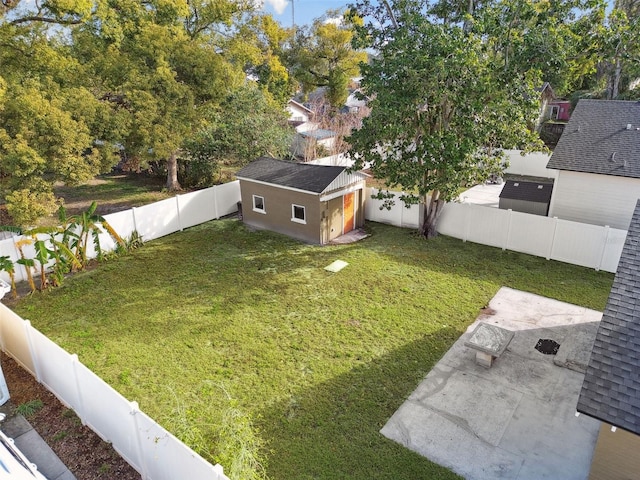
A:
305	10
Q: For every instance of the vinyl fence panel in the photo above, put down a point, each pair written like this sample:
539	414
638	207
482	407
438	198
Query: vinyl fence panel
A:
8	248
168	458
157	219
532	234
196	207
532	164
227	197
578	243
55	370
100	406
453	220
14	338
488	226
613	249
398	214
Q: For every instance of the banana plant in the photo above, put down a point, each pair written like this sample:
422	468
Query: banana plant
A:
6	265
27	263
52	249
78	228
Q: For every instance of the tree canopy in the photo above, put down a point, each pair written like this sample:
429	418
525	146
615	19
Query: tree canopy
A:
87	84
323	56
442	108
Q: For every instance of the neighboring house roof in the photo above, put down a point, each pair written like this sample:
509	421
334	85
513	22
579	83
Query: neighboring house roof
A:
539	192
293	104
318	134
602	137
353	100
611	388
301	176
546	87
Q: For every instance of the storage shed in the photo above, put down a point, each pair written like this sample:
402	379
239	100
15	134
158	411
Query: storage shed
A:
526	196
313	203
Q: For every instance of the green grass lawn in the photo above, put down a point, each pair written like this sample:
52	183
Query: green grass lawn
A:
215	326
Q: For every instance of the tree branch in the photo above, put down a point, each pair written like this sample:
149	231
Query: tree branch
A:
45	20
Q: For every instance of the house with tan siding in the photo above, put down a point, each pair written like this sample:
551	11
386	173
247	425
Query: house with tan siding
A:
313	203
611	388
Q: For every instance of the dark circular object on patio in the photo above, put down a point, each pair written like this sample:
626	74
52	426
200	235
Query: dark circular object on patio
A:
547	346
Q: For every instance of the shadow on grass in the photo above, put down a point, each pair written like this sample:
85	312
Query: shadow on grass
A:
332	429
561	281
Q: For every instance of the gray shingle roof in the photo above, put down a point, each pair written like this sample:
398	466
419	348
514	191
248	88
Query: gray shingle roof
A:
596	139
318	133
303	176
531	191
611	388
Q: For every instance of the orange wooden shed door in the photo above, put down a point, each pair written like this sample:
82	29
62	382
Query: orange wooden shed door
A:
348	213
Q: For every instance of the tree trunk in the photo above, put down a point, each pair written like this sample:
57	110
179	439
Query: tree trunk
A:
172	173
432	210
616	79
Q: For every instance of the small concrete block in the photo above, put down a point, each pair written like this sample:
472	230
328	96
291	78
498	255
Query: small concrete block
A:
489	339
483	359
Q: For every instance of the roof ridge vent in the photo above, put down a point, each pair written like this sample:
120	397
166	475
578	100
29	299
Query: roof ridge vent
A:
628	126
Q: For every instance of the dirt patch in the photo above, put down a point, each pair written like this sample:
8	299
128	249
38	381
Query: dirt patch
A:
79	448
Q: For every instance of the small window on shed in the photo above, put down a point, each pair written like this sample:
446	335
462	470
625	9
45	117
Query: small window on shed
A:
258	204
298	214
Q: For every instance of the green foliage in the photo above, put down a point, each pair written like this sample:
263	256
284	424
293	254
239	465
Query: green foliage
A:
49	122
248	124
315	362
240	447
65	247
441	112
6	265
323	56
30	408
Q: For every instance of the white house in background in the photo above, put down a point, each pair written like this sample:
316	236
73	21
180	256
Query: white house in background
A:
598	163
300	116
308	144
353	104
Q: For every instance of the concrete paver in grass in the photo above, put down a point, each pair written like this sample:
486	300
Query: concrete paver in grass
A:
515	420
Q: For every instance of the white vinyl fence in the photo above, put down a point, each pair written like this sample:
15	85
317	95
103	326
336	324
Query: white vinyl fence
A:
150	449
151	221
145	445
582	244
531	164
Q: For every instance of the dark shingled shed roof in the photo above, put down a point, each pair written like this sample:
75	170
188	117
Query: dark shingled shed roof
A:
302	176
538	192
611	388
596	139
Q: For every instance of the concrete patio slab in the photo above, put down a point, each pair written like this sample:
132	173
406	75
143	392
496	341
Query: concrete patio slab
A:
516	419
483	194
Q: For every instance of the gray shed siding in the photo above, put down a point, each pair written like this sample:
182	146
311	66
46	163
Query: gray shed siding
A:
277	216
524	206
